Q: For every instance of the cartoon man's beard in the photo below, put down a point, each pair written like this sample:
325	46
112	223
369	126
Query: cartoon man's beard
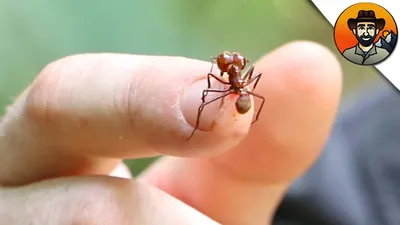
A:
368	42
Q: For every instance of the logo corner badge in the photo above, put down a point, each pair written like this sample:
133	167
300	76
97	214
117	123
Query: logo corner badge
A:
365	34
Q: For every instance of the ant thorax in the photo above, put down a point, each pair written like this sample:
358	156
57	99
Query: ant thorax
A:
234	72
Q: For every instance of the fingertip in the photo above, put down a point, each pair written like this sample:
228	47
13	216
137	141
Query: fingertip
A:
319	61
305	67
303	82
302	86
320	76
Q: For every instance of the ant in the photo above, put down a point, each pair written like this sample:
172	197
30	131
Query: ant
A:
232	64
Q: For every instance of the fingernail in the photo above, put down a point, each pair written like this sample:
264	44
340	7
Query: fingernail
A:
191	100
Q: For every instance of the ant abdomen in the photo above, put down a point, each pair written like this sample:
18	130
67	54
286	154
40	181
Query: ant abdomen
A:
243	103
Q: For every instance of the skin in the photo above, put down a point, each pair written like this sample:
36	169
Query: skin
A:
63	139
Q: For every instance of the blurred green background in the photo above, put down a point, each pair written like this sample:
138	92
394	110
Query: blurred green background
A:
34	33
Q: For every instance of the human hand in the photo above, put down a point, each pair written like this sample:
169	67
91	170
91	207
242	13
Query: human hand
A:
63	140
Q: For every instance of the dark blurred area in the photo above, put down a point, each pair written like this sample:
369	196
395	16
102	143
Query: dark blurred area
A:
34	33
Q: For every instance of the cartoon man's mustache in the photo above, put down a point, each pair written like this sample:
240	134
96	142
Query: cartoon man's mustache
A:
368	36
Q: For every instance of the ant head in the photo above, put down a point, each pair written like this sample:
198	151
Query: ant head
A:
239	60
225	59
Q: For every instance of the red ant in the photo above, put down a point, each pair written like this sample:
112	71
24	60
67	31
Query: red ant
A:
232	64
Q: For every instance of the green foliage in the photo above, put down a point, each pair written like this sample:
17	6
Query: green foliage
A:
139	165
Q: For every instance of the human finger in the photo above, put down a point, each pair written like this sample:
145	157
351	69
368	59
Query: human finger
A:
134	98
83	113
94	200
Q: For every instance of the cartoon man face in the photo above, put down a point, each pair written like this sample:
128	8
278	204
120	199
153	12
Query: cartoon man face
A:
365	33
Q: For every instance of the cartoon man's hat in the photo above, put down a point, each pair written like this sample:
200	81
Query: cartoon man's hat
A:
366	16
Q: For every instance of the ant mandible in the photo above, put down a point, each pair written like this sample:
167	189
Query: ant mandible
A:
232	64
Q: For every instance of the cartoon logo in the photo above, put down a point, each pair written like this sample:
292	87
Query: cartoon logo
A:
365	34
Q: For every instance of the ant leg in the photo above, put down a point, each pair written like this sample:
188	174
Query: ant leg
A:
209	75
212	63
249	73
217	78
206	91
255	78
201	107
262	104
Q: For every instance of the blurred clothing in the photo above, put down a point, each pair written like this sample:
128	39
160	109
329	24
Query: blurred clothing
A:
372	57
356	180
